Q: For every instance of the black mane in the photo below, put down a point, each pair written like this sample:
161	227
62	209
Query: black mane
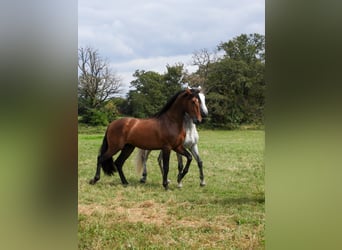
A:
172	100
168	104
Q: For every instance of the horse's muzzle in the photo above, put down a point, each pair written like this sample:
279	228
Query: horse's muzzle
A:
197	121
204	114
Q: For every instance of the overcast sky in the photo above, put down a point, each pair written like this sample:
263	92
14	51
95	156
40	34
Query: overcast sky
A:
149	34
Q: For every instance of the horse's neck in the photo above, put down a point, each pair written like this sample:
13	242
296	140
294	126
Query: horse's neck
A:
176	114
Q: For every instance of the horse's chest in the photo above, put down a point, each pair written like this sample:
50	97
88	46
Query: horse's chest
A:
190	138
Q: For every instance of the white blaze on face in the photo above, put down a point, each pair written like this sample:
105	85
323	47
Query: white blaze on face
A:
203	106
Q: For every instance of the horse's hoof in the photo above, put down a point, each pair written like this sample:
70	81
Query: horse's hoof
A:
142	181
202	184
180	185
92	181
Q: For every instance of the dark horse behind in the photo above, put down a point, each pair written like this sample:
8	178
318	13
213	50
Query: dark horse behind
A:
165	131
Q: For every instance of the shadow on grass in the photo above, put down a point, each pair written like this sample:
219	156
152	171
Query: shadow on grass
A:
239	200
133	183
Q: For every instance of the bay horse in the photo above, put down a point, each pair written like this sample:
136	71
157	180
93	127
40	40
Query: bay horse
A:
190	142
165	131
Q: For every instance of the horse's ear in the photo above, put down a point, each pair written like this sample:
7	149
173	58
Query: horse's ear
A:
188	91
195	90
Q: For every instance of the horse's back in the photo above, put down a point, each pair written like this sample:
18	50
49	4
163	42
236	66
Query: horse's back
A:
142	133
121	124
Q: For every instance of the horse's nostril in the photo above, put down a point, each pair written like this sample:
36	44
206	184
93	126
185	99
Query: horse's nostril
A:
204	114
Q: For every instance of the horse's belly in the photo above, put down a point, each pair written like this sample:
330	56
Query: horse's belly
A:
146	143
145	136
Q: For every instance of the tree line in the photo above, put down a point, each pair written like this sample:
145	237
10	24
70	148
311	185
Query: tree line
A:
232	77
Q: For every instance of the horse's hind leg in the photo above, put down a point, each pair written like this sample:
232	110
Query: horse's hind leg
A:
194	151
181	150
97	174
125	153
105	158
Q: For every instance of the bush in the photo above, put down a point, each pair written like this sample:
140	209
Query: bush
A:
95	118
110	110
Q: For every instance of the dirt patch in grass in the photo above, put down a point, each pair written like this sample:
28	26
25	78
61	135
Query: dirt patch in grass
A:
148	212
151	212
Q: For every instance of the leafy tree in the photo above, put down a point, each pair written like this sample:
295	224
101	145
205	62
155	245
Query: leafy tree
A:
173	79
248	48
120	105
94	117
152	90
110	109
148	93
236	82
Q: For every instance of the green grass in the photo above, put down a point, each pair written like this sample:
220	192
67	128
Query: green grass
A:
228	213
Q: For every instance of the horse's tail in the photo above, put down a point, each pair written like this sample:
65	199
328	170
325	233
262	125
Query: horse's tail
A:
108	166
140	160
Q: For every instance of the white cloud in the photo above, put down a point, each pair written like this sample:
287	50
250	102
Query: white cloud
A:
157	64
149	34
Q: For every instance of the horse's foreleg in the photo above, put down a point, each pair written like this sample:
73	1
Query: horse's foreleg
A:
181	150
125	153
194	151
144	157
166	160
160	162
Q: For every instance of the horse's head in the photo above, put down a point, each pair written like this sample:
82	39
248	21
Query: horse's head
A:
204	109
192	104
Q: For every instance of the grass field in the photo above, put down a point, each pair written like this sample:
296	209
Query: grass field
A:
228	213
